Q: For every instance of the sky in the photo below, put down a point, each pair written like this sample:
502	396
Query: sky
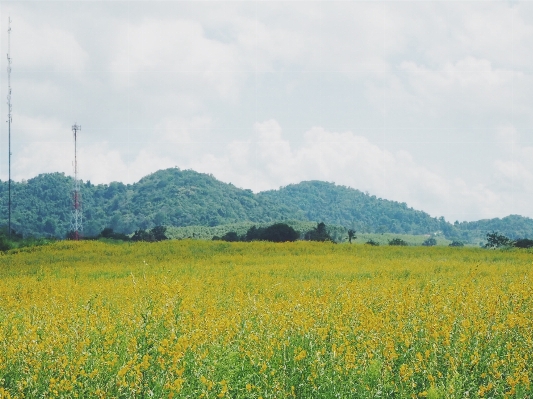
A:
422	102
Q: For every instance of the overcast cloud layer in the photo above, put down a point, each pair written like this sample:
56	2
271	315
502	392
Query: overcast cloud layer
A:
427	103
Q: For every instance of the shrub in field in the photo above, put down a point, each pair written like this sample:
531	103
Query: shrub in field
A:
16	240
523	243
230	236
456	244
4	244
398	241
430	242
372	242
319	233
155	234
109	233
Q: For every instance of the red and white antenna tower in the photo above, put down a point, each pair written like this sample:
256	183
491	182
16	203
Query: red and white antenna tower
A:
76	224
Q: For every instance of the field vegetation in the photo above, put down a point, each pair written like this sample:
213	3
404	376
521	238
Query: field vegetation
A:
211	319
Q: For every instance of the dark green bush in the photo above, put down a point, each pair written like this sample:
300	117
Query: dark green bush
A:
523	243
456	244
430	242
398	241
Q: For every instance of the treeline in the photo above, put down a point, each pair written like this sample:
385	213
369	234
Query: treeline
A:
16	240
278	232
158	233
498	240
173	197
41	207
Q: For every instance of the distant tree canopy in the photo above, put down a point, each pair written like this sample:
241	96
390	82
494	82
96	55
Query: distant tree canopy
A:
173	197
497	240
109	233
456	244
278	232
319	233
16	240
398	242
230	236
431	241
155	234
523	243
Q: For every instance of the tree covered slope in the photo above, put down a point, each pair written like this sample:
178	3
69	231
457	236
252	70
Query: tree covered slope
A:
174	197
332	204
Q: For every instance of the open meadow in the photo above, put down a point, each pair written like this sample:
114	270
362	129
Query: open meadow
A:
199	319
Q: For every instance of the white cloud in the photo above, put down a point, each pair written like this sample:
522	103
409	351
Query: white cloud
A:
176	54
269	161
423	102
44	46
177	131
440	96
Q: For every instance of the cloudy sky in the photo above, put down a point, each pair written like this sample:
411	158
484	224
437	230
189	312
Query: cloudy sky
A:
427	103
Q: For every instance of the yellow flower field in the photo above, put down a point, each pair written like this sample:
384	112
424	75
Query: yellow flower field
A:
193	319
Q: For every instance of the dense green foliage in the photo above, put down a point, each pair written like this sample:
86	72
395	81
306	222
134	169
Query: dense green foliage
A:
338	233
278	232
512	226
456	244
340	205
16	240
497	240
523	243
318	233
398	242
431	241
155	234
178	198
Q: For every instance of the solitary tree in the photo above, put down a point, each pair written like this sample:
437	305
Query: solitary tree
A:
158	233
351	235
497	240
319	233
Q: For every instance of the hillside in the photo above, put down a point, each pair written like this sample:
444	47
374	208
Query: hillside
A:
512	226
174	197
340	205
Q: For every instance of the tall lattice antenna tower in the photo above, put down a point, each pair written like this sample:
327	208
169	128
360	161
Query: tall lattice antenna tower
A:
9	120
76	224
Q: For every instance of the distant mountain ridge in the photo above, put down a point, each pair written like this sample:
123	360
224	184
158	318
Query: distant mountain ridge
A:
174	197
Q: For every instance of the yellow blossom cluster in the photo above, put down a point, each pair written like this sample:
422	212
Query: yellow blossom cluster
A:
197	319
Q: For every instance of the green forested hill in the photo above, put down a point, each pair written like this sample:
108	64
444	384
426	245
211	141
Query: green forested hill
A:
332	204
174	197
512	226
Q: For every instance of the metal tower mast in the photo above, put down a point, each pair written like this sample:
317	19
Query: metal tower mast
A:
9	119
77	220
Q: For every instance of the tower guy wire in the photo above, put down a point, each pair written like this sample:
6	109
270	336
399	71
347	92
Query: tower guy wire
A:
9	120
